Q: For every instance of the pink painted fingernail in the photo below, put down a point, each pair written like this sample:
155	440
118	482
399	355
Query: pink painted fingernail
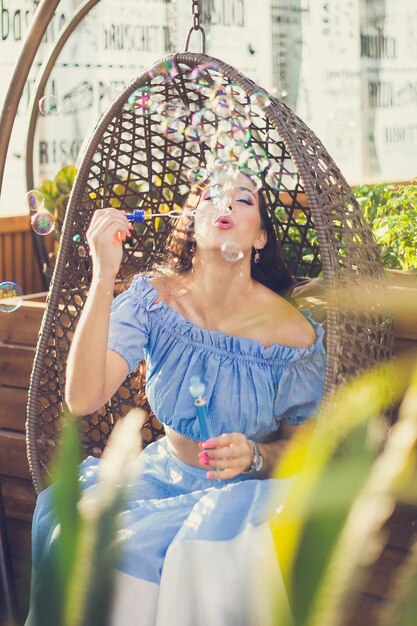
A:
210	475
205	461
208	444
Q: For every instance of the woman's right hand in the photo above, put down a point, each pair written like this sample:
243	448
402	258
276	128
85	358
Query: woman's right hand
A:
106	244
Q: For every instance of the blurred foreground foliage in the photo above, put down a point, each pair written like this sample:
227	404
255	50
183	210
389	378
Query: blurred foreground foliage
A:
74	586
356	471
355	468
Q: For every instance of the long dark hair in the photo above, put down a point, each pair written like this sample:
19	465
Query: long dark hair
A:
177	255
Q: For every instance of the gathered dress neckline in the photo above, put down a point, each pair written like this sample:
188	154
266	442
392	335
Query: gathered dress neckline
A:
221	340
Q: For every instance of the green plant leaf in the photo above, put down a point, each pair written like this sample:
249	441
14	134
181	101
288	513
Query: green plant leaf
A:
64	180
50	583
307	530
50	193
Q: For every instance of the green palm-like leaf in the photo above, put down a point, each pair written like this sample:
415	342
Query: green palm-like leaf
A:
361	538
75	585
64	180
51	582
307	530
90	588
50	194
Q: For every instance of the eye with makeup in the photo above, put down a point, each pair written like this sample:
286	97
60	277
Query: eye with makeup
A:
246	198
208	194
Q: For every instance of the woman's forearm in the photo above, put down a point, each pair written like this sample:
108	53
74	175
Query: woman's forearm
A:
86	365
273	453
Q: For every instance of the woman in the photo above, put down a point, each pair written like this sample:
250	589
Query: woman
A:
198	519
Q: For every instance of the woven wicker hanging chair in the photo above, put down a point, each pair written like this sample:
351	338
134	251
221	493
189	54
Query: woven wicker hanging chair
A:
130	163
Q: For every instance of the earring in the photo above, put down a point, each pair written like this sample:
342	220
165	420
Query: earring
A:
257	256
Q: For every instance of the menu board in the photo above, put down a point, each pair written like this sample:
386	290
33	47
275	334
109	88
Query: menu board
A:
117	41
389	60
317	72
348	68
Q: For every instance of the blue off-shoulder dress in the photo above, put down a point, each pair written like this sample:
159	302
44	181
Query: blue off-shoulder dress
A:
196	550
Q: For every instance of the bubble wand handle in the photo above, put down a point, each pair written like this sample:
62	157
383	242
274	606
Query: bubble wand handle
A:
197	390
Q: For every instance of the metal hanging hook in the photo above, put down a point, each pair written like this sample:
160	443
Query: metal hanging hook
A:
196	9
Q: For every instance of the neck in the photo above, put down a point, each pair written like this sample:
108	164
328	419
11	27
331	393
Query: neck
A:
218	286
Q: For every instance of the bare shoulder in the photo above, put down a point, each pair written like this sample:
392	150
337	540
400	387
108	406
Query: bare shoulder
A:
284	322
169	288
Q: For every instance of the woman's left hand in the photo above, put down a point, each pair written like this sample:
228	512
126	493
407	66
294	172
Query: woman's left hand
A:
226	456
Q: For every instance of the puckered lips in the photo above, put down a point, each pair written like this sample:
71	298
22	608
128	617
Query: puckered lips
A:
224	222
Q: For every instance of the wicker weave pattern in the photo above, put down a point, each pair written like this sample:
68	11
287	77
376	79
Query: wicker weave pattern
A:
129	163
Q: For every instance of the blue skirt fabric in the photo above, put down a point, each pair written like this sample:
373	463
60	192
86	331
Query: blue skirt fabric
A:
193	550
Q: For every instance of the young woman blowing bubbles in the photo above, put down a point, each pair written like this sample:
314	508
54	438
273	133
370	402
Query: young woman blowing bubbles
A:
190	543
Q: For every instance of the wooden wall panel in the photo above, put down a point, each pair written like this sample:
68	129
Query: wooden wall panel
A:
16	365
18	259
22	326
19	498
13	460
13	403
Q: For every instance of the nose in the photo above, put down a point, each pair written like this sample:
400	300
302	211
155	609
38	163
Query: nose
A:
226	205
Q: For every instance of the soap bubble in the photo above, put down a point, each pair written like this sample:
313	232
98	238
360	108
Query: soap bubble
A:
240	129
222	195
206	76
144	100
253	160
173	128
43	223
197	175
261	99
221	102
172	109
231	251
231	151
167	70
206	121
274	176
49	105
34	200
236	94
11	297
223	141
194	134
221	172
257	181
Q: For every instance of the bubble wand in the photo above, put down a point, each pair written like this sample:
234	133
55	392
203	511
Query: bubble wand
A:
197	389
139	215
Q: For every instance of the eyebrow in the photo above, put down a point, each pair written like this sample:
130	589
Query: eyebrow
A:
247	189
208	188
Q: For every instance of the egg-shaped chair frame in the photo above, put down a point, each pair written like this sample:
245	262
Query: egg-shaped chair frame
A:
129	162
